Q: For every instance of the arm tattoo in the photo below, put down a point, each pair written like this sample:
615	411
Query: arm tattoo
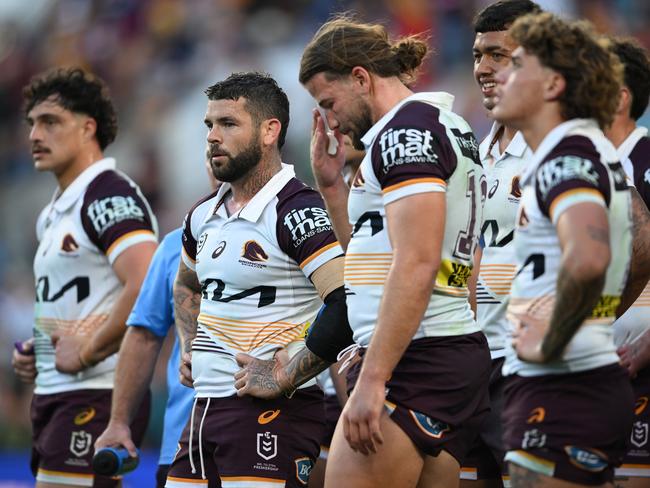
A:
187	303
303	367
575	299
640	262
598	234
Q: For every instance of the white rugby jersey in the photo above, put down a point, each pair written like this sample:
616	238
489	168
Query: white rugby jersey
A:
634	154
418	146
502	173
575	163
254	269
81	232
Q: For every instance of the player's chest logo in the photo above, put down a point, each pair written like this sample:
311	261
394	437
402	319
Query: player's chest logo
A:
267	445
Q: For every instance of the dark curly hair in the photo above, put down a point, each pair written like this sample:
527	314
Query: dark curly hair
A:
264	97
500	15
78	91
592	72
637	72
345	42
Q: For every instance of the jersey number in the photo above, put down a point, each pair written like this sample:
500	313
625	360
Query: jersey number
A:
465	243
267	293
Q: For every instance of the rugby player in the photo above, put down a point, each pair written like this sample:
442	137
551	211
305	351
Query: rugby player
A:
567	402
151	319
632	330
259	258
425	362
96	238
504	154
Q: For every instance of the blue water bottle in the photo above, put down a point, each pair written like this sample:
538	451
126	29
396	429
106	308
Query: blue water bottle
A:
114	461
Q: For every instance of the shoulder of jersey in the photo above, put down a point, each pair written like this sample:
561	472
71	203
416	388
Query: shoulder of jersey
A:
295	188
640	155
204	201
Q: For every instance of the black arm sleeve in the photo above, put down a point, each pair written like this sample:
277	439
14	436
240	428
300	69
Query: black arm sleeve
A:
331	333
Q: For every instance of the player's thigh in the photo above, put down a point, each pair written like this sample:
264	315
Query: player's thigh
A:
317	475
521	477
397	461
440	471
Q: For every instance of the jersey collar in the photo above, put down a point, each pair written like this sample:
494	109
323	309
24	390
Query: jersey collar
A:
254	208
628	144
439	99
516	148
62	201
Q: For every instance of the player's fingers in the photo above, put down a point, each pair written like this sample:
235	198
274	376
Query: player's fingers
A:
243	359
282	357
241	383
375	430
130	446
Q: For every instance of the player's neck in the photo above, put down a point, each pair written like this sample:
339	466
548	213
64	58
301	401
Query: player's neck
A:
506	137
77	166
388	92
539	125
244	189
620	130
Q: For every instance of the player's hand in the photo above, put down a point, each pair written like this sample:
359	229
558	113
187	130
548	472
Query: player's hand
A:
262	378
117	434
328	170
636	355
527	338
25	364
67	349
186	370
361	416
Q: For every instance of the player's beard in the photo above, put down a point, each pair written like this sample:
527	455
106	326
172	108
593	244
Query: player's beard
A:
240	165
359	125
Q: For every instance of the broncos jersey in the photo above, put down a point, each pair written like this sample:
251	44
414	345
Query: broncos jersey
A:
634	155
574	164
502	173
254	268
81	233
419	146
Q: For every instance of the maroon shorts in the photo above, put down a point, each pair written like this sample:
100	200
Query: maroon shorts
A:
332	413
438	390
484	461
65	427
573	427
250	442
636	463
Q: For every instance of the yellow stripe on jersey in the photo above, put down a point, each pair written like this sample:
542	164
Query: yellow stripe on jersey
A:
187	480
127	236
414	181
78	327
367	268
318	253
570	193
64	473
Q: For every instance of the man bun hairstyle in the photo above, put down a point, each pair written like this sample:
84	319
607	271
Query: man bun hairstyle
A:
344	42
593	73
500	15
636	69
78	91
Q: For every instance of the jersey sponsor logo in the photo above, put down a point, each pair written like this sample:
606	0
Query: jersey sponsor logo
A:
493	226
606	307
81	283
80	443
201	242
268	416
536	415
267	445
69	245
254	252
304	466
564	168
106	212
515	188
468	144
221	247
85	416
639	437
406	146
641	404
306	222
431	427
213	288
533	438
587	459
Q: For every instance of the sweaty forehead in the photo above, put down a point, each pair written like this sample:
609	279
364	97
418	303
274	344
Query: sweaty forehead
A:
494	40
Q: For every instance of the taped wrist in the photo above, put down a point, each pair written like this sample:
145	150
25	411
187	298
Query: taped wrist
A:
331	333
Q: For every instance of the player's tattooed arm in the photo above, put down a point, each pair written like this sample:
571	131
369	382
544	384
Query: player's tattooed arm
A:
187	303
271	378
640	264
583	231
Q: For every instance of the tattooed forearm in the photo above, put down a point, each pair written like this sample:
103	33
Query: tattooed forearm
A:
303	367
187	303
575	299
640	262
598	234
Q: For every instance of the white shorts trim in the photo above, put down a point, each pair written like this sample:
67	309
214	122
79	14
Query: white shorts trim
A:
63	478
633	470
250	482
324	453
528	461
468	474
174	482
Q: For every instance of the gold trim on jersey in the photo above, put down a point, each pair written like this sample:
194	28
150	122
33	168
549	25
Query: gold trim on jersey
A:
70	327
126	236
246	335
570	193
367	268
318	253
497	278
413	181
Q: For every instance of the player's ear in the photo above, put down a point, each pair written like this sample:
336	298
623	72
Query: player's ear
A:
361	78
624	101
89	128
554	85
270	131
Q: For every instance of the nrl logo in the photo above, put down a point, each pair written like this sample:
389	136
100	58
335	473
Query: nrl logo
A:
267	445
639	434
80	443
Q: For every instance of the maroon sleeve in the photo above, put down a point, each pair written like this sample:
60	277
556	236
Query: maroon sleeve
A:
640	158
112	208
572	165
303	225
188	240
413	145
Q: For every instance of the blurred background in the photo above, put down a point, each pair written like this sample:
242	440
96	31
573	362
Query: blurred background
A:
157	57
